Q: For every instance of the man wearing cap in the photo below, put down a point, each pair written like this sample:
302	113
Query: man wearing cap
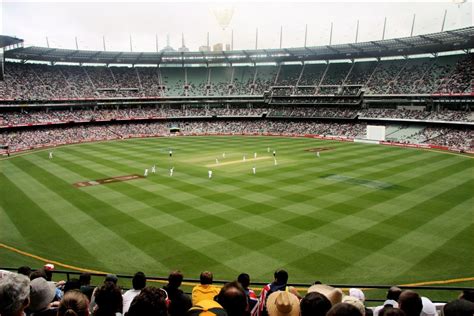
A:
392	300
14	294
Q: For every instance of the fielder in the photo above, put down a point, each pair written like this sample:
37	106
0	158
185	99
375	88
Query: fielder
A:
275	162
171	171
223	155
317	154
274	153
254	170
171	153
217	161
255	155
153	169
243	159
50	155
146	173
209	173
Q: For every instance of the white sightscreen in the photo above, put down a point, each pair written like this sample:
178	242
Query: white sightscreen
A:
375	132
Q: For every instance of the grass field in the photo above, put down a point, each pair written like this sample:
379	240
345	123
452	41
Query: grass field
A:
358	214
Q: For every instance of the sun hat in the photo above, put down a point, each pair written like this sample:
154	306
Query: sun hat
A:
357	293
354	301
429	309
283	303
334	295
42	293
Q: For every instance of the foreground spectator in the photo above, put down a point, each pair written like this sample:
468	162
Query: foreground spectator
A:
74	303
410	302
278	284
110	279
334	295
14	294
283	303
357	293
42	294
108	299
138	283
314	304
179	302
244	280
392	300
151	301
25	270
205	290
354	301
233	299
344	309
86	288
459	307
429	309
207	308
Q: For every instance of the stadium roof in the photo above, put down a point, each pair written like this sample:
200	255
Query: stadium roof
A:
461	39
9	40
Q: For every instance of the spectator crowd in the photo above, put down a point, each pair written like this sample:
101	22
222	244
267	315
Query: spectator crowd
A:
447	74
36	294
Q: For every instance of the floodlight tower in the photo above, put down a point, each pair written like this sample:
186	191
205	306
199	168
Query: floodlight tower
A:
223	15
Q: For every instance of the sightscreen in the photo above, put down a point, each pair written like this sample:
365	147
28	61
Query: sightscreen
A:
375	132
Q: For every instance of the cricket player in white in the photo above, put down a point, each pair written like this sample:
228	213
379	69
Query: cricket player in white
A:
243	159
171	171
223	155
209	173
171	153
275	162
274	153
153	169
146	173
317	154
254	170
255	155
268	149
217	161
50	155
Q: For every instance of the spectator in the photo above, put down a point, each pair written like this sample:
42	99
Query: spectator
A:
74	303
390	311
410	302
429	309
315	304
108	300
72	284
334	295
344	309
179	302
25	270
357	293
207	308
138	283
244	280
392	300
42	294
151	301
14	294
86	288
278	284
459	307
283	303
233	299
354	301
204	291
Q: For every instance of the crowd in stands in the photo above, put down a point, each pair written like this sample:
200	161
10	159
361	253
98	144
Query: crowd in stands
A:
35	294
446	115
51	116
30	138
461	138
448	74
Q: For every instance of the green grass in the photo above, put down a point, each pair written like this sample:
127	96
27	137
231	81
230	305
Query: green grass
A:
358	214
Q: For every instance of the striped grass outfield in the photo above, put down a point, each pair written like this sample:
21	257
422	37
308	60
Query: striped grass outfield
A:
358	214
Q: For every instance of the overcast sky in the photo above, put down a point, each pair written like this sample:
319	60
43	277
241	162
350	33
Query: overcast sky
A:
61	21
